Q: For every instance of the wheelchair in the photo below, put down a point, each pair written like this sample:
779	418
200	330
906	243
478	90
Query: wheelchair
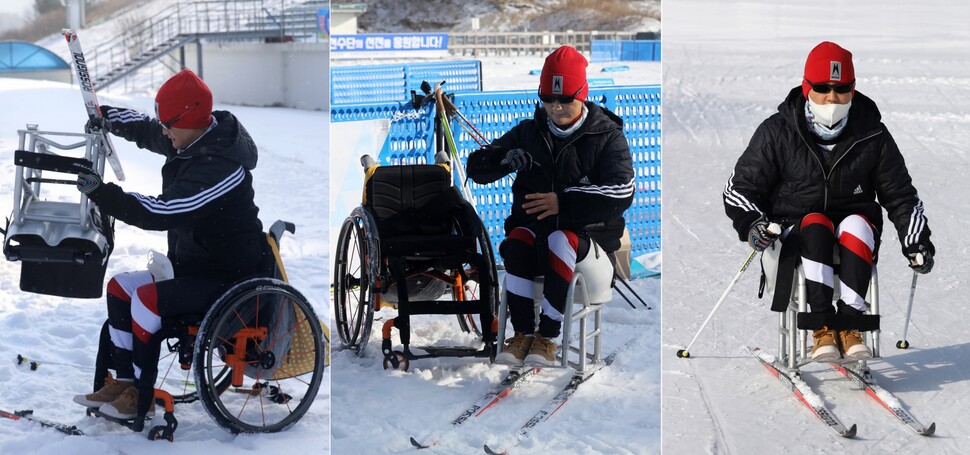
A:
413	240
795	321
255	359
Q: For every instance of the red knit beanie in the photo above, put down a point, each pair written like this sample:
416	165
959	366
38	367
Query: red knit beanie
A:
185	99
828	63
564	73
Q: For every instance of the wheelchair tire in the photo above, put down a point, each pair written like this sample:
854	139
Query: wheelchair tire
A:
467	322
283	366
353	306
179	383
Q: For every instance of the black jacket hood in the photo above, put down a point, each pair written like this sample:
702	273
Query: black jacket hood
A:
229	140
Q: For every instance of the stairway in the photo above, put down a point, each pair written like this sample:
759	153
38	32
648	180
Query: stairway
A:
188	22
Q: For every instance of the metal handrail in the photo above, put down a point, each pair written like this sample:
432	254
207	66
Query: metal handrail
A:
187	21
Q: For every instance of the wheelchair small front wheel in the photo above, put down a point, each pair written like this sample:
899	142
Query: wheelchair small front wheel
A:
269	338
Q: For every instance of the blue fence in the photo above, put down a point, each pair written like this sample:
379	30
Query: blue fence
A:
411	140
388	83
614	50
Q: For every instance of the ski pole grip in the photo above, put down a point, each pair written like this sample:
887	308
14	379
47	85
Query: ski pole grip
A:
774	228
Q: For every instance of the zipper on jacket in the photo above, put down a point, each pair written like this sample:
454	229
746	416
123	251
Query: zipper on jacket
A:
555	159
826	175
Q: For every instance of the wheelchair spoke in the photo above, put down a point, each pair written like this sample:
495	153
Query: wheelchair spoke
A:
287	334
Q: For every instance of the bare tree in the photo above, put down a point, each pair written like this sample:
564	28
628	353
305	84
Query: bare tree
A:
46	6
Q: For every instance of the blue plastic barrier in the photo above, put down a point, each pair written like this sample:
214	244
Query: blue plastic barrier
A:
411	140
614	50
615	68
387	83
600	81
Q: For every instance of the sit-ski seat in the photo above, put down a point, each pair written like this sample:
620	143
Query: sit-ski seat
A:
796	321
63	246
590	289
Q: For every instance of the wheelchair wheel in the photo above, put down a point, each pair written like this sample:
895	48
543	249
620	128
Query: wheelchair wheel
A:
179	382
472	291
354	312
265	334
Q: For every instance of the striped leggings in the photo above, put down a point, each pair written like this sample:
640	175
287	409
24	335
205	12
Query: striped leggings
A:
136	306
520	254
857	246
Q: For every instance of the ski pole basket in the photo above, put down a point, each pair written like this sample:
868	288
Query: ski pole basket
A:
63	245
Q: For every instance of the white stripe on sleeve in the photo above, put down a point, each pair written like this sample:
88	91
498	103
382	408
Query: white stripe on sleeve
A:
191	203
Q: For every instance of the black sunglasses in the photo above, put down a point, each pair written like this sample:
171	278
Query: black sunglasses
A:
825	88
561	99
168	125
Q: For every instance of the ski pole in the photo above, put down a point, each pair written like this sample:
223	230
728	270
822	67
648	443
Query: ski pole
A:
626	283
34	364
773	228
685	353
628	301
904	344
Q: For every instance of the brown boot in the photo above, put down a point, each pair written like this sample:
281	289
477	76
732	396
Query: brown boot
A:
515	350
542	352
853	348
126	406
826	349
111	390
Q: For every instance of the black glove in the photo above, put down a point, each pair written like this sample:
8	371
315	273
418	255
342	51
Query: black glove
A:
88	180
97	124
759	237
920	256
517	160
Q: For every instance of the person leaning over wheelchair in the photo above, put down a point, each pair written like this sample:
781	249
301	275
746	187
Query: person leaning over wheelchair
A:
817	167
214	235
574	179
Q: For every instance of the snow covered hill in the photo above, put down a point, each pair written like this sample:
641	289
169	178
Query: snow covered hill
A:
391	16
727	65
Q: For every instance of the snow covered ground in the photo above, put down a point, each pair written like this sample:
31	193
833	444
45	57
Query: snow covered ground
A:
727	65
291	183
617	411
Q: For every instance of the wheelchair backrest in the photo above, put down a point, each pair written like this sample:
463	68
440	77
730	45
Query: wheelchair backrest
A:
411	200
273	262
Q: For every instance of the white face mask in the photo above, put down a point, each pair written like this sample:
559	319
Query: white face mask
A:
829	114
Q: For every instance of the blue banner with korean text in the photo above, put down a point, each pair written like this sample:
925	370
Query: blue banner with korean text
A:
389	45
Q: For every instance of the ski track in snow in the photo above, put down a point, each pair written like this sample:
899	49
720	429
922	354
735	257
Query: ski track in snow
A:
727	65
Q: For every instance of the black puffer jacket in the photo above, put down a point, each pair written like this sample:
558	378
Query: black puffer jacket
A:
206	203
781	176
591	171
